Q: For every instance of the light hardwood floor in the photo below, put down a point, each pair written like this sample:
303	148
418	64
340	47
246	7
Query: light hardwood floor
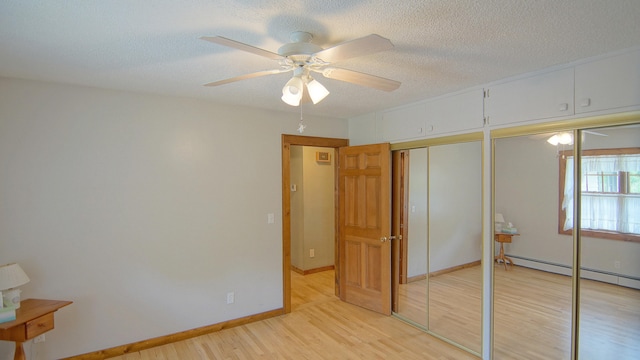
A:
320	326
532	314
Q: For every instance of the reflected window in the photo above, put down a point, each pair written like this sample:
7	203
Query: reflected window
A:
610	193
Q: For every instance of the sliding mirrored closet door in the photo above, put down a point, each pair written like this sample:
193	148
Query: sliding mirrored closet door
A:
455	243
442	290
532	273
609	315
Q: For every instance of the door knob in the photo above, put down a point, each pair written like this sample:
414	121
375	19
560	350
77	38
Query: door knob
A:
383	239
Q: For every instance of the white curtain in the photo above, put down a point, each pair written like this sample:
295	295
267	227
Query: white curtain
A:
614	212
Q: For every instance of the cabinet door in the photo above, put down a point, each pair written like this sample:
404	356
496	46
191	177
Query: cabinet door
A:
404	123
450	113
458	112
539	97
608	83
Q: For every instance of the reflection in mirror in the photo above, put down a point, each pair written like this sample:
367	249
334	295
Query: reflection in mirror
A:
532	297
455	243
442	288
412	299
610	242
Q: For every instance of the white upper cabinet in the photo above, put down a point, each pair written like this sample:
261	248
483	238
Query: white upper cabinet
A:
608	83
458	112
404	123
539	97
451	113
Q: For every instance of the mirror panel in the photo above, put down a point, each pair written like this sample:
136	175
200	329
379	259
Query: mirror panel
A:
532	299
609	310
455	243
442	290
413	291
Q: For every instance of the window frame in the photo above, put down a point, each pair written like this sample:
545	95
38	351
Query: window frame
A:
602	234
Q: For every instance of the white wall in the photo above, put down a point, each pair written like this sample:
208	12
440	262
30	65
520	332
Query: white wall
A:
297	207
312	208
143	210
447	210
319	215
527	195
417	233
455	205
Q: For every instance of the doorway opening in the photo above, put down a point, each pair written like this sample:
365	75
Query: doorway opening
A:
287	142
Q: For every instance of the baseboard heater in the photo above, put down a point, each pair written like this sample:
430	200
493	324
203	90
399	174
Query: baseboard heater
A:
585	272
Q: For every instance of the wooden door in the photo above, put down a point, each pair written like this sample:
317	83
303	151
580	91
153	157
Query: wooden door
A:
364	215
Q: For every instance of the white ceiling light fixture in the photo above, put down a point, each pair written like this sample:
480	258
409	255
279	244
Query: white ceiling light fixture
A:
302	57
293	89
317	92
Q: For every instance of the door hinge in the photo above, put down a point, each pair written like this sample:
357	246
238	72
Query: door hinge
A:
486	93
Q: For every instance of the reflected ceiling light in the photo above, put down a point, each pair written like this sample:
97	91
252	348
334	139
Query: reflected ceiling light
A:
562	138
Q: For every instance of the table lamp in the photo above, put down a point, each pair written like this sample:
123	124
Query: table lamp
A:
499	221
11	277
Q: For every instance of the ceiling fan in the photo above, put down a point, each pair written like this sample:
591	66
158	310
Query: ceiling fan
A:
565	137
303	58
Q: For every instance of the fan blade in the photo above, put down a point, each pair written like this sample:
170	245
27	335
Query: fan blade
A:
359	78
594	133
241	46
247	76
363	46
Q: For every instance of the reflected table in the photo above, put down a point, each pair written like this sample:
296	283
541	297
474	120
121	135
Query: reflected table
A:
503	238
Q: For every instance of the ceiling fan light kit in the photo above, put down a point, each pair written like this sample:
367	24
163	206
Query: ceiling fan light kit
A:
302	57
561	138
317	91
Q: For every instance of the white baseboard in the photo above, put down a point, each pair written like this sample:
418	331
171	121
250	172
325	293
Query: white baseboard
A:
584	273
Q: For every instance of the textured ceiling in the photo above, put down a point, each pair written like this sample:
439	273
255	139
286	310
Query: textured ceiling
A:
440	46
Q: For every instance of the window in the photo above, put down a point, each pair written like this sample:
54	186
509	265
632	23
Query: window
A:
610	188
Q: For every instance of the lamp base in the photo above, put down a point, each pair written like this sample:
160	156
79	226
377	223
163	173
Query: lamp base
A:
11	297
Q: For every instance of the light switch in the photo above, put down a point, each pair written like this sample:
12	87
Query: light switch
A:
271	218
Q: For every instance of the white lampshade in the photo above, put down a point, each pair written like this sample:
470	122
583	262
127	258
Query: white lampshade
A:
292	91
499	218
12	276
317	91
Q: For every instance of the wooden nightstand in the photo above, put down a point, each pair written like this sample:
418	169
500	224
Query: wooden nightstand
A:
34	317
503	238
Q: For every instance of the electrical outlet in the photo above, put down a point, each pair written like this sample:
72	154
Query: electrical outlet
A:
38	339
231	298
312	252
616	264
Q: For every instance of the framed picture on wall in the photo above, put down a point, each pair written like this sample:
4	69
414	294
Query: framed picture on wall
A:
323	157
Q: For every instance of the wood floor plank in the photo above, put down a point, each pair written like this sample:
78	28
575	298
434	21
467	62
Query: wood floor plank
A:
532	321
319	327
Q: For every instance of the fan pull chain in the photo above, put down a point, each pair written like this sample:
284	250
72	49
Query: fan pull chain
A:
301	125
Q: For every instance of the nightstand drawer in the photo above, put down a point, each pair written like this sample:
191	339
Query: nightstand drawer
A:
38	326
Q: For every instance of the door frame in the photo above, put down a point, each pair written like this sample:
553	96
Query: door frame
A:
399	222
287	142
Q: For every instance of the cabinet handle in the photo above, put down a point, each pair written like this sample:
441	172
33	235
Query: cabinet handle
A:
564	107
585	102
